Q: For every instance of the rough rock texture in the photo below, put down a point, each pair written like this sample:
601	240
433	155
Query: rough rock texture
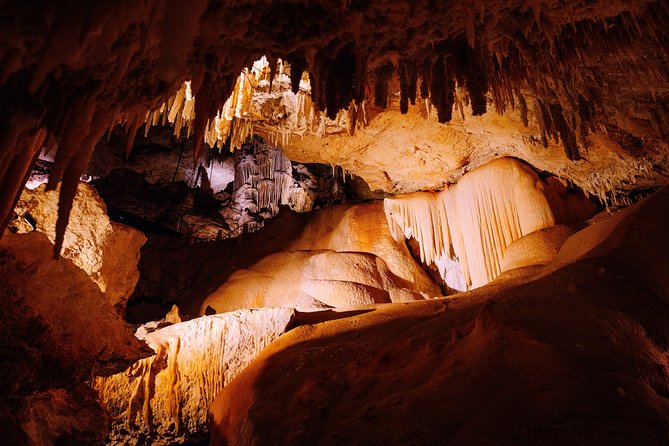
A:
159	157
164	399
577	356
56	330
55	416
433	154
571	68
227	196
310	281
362	228
265	179
107	251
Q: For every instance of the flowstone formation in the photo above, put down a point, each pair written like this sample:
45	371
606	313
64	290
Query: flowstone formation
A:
475	220
163	399
576	356
484	133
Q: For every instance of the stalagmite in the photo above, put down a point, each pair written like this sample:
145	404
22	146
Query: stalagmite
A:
475	220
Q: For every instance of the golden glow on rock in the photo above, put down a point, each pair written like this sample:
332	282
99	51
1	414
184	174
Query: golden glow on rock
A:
260	101
169	393
478	218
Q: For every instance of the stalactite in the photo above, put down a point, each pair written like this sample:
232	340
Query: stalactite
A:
522	105
132	132
297	66
11	183
61	66
76	126
381	78
566	132
408	79
340	82
442	90
72	174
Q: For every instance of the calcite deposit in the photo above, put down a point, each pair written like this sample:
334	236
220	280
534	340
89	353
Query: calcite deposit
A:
164	398
476	220
568	68
465	201
577	356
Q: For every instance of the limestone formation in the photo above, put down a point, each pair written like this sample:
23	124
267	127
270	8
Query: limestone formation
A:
476	136
56	331
570	69
310	281
343	256
574	357
164	398
108	252
536	248
362	228
475	220
264	180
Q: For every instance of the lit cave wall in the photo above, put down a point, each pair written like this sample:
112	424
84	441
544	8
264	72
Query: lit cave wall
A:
334	222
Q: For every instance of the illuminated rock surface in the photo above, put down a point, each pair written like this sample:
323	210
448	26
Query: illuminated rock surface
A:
164	398
574	357
342	257
412	97
311	280
573	71
106	250
536	248
475	220
57	329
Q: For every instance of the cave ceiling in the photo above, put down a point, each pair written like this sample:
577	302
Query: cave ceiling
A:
575	73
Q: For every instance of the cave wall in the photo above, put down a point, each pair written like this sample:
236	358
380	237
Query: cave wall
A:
70	74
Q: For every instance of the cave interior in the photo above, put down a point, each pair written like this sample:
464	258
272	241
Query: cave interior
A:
253	222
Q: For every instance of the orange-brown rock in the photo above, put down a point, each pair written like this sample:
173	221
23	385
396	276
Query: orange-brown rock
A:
311	280
164	398
344	256
107	251
577	356
536	248
475	220
57	329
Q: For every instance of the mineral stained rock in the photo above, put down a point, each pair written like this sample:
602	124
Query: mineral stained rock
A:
312	280
164	398
57	329
344	256
577	356
107	251
475	220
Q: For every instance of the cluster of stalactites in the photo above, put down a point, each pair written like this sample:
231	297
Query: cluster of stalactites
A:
265	177
533	72
475	220
543	62
452	65
230	125
79	130
235	121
